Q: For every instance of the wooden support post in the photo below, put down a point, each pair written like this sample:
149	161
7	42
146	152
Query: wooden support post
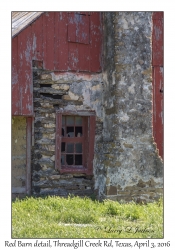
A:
28	154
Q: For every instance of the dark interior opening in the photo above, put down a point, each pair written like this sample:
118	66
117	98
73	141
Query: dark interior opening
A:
70	159
45	85
80	177
78	131
78	159
70	131
51	96
56	105
62	131
63	146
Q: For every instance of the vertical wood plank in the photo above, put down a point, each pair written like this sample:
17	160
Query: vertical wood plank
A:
25	72
73	56
15	79
92	123
57	47
157	42
157	62
20	79
158	15
37	51
158	107
58	141
50	37
85	141
44	39
62	41
28	154
83	57
83	29
72	27
95	42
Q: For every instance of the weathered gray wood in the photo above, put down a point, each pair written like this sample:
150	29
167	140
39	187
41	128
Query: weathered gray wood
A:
50	91
28	155
18	190
45	141
44	130
22	19
44	110
76	112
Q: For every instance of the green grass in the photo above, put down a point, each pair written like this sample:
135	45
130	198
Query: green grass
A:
74	217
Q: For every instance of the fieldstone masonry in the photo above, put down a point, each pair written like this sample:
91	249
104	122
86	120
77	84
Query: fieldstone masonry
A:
126	163
53	91
132	168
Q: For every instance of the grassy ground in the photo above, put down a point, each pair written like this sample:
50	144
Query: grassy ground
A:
73	217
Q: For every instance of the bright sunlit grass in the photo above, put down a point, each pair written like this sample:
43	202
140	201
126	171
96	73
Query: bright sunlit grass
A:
74	217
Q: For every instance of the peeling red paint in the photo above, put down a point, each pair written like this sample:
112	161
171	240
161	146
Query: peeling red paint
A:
157	42
46	40
157	63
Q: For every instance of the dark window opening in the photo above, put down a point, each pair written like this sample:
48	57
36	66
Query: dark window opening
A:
78	159
70	132
76	147
70	159
62	131
63	147
78	131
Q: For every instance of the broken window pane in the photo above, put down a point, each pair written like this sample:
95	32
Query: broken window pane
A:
78	120
70	120
70	159
78	148
63	132
78	159
70	131
63	147
70	148
78	131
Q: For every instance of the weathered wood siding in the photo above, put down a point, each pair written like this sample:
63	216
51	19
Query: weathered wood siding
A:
18	156
157	63
46	40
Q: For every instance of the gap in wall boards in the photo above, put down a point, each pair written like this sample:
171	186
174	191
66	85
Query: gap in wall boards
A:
51	96
45	85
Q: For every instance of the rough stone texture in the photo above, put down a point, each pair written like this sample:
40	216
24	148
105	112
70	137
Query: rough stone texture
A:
52	91
126	163
131	160
18	156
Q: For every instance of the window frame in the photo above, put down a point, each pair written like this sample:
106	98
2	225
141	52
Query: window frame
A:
88	141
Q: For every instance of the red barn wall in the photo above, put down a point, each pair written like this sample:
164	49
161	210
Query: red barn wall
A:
54	38
157	63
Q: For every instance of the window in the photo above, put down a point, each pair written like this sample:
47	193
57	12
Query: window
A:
75	133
